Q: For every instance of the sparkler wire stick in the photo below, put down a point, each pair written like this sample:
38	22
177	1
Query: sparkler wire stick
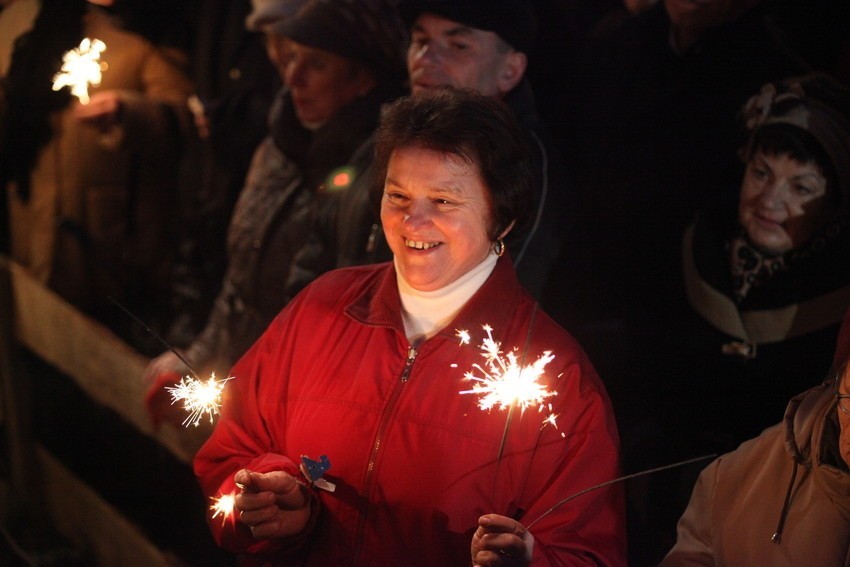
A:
156	336
514	402
616	480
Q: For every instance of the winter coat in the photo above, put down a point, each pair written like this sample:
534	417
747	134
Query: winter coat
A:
416	462
96	219
779	499
778	341
289	177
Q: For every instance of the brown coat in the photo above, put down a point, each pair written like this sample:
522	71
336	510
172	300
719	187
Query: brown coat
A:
97	214
738	503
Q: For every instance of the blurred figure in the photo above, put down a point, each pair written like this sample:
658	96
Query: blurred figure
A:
91	186
235	84
339	61
474	44
782	498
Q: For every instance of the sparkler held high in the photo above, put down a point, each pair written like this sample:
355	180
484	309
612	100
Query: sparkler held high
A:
81	67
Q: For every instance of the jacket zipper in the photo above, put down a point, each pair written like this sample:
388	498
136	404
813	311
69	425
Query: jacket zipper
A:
389	410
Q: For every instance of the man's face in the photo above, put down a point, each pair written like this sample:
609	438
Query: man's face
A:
443	52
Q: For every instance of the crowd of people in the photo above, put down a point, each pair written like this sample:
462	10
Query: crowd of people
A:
315	196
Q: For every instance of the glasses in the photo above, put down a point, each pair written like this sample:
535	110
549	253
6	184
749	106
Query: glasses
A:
842	399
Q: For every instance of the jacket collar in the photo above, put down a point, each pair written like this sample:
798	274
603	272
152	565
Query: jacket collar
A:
379	305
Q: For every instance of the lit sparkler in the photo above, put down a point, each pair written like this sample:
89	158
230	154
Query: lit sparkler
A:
81	67
223	506
503	382
199	397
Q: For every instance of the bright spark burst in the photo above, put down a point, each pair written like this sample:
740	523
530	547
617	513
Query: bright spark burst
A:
502	382
223	506
199	397
81	67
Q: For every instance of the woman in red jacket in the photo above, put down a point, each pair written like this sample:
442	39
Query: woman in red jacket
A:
364	371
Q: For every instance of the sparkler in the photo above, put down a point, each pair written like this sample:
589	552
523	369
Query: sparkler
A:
223	506
503	381
199	397
616	480
81	67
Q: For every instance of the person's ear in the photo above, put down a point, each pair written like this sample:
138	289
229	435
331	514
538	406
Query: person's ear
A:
509	228
512	70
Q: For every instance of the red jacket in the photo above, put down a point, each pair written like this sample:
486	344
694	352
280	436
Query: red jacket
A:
415	462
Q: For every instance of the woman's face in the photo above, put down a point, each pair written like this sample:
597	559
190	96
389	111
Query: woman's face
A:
436	213
321	83
783	202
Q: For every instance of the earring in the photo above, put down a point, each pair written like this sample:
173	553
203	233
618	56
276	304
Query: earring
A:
499	247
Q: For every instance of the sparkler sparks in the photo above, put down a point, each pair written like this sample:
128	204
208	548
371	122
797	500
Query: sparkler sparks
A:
199	397
223	506
502	381
81	67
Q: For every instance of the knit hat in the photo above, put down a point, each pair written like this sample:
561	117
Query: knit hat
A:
512	20
369	32
266	12
816	103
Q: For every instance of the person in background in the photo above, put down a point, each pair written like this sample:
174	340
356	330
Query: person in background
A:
768	501
235	84
90	186
476	44
339	61
767	283
363	371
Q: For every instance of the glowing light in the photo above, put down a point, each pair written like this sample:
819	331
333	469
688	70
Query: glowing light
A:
81	67
502	382
223	506
199	397
342	179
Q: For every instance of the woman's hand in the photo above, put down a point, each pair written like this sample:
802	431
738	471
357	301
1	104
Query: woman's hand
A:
499	540
273	504
165	370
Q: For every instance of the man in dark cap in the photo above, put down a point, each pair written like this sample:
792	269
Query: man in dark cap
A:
483	45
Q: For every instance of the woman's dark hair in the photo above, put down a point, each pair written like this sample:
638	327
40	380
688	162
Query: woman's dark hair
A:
480	130
785	139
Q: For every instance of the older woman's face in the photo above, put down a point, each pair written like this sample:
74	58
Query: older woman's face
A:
783	202
321	82
436	212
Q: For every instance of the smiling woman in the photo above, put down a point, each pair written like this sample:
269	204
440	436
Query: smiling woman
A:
772	284
364	366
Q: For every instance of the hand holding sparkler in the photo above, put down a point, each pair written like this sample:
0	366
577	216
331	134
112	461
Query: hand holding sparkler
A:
103	110
273	504
164	371
500	540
